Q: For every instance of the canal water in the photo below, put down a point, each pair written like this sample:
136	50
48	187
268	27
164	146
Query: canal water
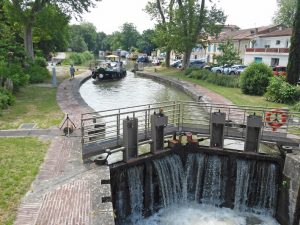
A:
130	91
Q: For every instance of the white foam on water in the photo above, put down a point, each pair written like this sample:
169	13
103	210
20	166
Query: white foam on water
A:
196	214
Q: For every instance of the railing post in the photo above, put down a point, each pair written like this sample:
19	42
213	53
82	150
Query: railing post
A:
146	118
118	127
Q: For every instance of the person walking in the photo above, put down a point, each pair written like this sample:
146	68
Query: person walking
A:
72	72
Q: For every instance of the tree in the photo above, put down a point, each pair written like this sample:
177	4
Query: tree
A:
11	48
77	44
194	22
114	41
85	31
229	54
101	43
286	12
51	30
145	43
293	70
163	12
129	36
25	13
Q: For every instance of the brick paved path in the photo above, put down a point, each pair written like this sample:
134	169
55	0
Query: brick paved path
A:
66	191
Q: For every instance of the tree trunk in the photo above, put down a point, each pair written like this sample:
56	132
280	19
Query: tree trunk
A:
186	58
168	56
28	41
293	71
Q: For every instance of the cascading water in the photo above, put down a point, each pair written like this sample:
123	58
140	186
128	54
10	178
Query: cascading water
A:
258	181
135	185
192	193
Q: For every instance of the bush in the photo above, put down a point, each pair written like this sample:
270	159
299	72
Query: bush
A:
6	98
281	91
14	72
79	58
40	61
218	79
37	73
255	79
296	107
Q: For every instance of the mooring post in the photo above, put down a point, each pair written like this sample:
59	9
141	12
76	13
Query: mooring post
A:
217	130
158	123
130	138
254	125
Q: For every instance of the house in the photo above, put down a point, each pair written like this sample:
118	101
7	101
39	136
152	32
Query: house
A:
242	39
270	48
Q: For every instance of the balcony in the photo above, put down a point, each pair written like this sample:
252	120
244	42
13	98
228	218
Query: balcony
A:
268	50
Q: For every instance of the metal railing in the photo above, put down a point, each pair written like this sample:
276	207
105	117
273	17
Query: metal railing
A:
104	129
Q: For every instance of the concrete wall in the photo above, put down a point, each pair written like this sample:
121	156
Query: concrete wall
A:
292	173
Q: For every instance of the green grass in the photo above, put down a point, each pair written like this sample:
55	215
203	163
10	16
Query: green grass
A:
33	105
235	95
20	159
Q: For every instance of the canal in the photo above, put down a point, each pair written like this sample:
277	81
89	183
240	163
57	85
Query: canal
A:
130	91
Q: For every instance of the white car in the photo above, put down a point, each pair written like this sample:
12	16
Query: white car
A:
234	69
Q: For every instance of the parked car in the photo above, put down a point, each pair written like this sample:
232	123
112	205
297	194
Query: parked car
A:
197	63
219	69
234	69
240	70
279	70
207	67
142	59
176	63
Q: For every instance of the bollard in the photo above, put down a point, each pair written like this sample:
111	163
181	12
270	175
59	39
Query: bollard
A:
252	139
217	130
130	138
158	122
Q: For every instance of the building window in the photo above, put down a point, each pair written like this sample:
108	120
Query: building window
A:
209	46
215	48
274	61
246	46
278	42
195	56
267	46
258	59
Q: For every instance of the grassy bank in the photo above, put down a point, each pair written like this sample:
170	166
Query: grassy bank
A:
20	159
235	95
33	105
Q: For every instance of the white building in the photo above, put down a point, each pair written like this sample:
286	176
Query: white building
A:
270	48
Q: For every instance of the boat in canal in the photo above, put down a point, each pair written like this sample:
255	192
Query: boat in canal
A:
110	71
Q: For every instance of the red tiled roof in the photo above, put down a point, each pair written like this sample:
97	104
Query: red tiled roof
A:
247	34
278	33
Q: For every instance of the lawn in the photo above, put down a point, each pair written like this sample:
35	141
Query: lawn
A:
20	159
233	94
33	105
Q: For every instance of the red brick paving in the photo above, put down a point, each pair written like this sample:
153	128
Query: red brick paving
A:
69	204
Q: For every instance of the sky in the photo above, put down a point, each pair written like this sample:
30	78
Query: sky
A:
109	15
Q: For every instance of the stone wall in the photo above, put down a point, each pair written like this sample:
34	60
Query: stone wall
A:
292	173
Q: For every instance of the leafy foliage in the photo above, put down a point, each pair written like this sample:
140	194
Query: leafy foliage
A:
6	98
218	79
15	73
51	30
37	73
286	12
79	58
83	37
280	91
229	54
255	79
